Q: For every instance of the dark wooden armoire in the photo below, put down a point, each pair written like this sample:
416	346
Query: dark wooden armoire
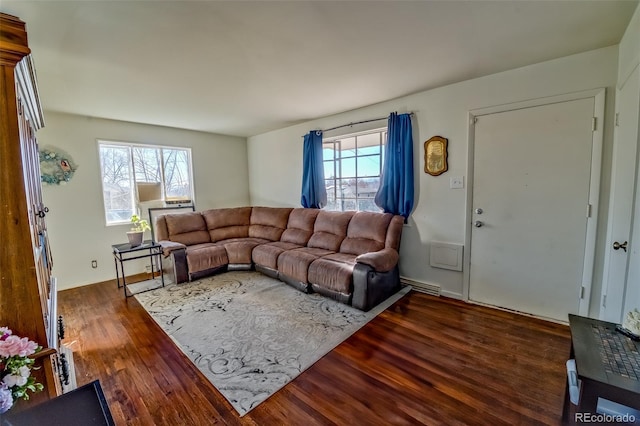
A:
27	290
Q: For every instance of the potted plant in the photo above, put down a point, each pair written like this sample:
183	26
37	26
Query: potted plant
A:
137	230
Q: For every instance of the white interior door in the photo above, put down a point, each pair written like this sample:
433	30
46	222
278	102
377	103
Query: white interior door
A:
532	174
620	274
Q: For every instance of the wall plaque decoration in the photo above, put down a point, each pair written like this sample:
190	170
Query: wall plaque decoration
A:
56	166
435	156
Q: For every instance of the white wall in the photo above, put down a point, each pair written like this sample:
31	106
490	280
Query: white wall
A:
629	47
275	158
76	221
628	63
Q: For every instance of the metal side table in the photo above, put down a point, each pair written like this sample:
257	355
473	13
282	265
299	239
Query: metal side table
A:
125	252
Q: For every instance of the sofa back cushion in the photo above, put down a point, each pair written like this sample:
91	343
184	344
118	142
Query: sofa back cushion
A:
394	233
330	229
187	228
160	231
367	232
300	226
268	222
227	223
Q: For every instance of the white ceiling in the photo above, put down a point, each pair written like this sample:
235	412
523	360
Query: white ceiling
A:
246	67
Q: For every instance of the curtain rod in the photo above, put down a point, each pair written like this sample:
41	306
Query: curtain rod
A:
353	124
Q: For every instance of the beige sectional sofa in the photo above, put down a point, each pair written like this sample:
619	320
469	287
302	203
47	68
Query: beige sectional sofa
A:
348	256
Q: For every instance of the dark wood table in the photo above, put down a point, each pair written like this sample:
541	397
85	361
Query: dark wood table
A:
84	406
602	365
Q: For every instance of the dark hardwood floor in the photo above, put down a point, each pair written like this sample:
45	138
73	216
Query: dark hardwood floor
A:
425	360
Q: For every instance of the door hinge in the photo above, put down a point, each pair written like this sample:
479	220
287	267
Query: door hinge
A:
617	119
582	292
589	206
473	120
604	301
594	124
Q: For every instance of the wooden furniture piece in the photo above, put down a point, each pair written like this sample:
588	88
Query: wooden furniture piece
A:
27	291
606	363
84	406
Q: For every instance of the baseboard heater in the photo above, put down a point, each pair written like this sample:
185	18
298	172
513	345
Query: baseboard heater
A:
421	286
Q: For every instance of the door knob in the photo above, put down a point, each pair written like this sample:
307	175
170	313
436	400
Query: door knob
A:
478	224
618	246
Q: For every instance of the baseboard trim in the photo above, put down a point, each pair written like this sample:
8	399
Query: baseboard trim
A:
422	286
451	295
513	311
129	278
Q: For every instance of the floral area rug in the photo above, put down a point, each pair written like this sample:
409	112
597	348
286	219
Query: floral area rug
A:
250	334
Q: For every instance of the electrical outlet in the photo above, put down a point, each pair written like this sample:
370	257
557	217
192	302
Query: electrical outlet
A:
456	182
94	264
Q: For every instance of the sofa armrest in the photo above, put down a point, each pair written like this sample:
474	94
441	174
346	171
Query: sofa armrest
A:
371	287
381	261
169	246
178	254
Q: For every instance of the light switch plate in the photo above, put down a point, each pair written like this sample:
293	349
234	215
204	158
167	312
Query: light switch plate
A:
456	182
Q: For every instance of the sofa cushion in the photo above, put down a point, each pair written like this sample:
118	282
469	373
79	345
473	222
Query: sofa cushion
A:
332	275
367	232
268	222
202	257
223	224
342	258
187	228
330	229
267	254
160	229
199	246
239	249
394	233
300	226
295	263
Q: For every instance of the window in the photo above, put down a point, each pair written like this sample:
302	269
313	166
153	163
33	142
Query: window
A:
137	173
352	167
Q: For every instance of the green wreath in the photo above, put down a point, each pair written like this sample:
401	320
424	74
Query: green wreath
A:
56	166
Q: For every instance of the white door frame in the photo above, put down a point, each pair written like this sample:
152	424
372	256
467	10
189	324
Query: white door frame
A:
623	201
594	184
